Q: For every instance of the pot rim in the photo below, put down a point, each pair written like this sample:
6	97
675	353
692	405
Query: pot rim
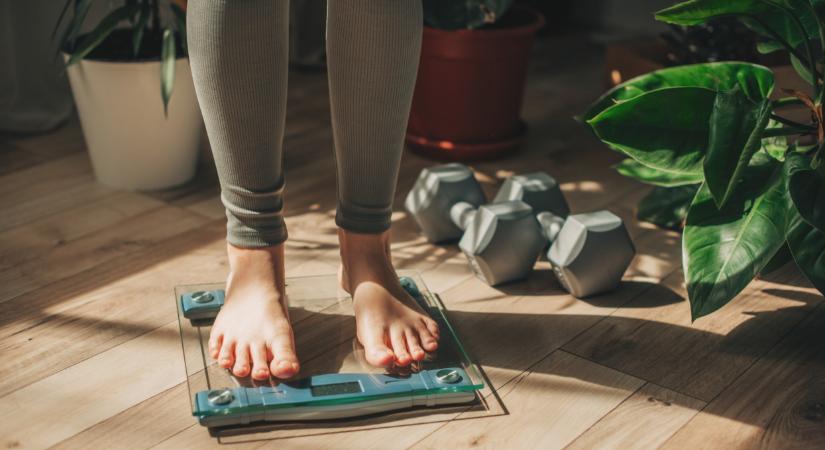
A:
522	30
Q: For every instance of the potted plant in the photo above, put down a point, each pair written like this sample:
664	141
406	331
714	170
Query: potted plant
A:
123	74
471	78
759	176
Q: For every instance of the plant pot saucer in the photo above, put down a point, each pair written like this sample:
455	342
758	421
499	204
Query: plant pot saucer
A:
447	150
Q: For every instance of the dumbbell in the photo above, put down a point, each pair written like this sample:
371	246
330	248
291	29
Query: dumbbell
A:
435	192
589	252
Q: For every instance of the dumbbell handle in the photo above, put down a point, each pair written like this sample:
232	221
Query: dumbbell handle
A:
551	225
462	214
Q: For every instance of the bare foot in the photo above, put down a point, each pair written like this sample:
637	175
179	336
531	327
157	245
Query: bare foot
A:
391	326
252	334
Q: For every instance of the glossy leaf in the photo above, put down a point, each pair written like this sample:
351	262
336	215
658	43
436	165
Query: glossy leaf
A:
784	26
775	146
736	127
101	32
167	68
757	81
695	12
667	207
666	129
638	171
807	189
723	249
807	245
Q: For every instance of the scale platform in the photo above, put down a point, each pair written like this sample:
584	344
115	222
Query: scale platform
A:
335	381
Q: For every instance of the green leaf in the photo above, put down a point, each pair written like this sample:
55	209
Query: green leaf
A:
802	70
140	28
695	12
784	26
667	207
167	68
665	129
81	10
807	189
807	245
736	127
757	81
101	32
775	146
638	171
783	256
723	249
180	18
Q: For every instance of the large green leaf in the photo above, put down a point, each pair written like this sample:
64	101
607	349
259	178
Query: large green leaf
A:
807	245
736	127
757	81
665	129
723	249
101	32
695	12
640	172
167	68
667	207
807	189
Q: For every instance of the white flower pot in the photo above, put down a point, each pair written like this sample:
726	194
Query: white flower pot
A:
131	143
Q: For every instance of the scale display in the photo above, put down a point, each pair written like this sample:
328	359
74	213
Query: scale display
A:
335	380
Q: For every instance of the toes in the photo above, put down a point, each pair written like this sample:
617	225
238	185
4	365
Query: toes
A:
226	356
284	361
399	347
241	368
215	340
375	348
414	346
260	368
428	341
432	327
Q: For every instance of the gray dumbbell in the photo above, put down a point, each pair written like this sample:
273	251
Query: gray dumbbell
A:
589	252
435	192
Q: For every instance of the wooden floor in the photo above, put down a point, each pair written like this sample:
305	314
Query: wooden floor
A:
91	356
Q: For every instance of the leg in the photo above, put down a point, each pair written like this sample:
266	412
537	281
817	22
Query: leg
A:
373	49
238	53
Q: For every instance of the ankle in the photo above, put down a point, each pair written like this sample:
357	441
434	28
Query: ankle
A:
258	266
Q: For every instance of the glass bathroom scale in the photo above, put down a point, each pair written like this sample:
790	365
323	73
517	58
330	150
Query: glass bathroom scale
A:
335	381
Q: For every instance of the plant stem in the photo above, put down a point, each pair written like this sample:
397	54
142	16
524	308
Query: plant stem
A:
786	101
791	123
787	131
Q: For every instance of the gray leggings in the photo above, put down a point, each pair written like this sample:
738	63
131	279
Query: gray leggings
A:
238	51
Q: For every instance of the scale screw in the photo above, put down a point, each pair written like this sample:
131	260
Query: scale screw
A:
222	397
201	297
449	376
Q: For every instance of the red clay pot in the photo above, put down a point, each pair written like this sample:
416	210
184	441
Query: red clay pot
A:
469	90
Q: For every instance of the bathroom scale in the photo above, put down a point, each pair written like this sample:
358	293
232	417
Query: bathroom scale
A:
335	381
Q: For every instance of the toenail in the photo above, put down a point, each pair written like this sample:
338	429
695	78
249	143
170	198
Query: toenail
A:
284	365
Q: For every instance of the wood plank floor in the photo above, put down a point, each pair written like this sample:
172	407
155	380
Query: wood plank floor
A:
92	358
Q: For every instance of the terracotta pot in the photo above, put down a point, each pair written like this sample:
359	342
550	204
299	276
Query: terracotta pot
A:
470	86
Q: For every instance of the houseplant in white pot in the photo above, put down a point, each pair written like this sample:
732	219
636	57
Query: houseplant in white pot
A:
123	74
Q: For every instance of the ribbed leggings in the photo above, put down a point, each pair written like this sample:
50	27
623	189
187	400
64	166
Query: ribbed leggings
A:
238	52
